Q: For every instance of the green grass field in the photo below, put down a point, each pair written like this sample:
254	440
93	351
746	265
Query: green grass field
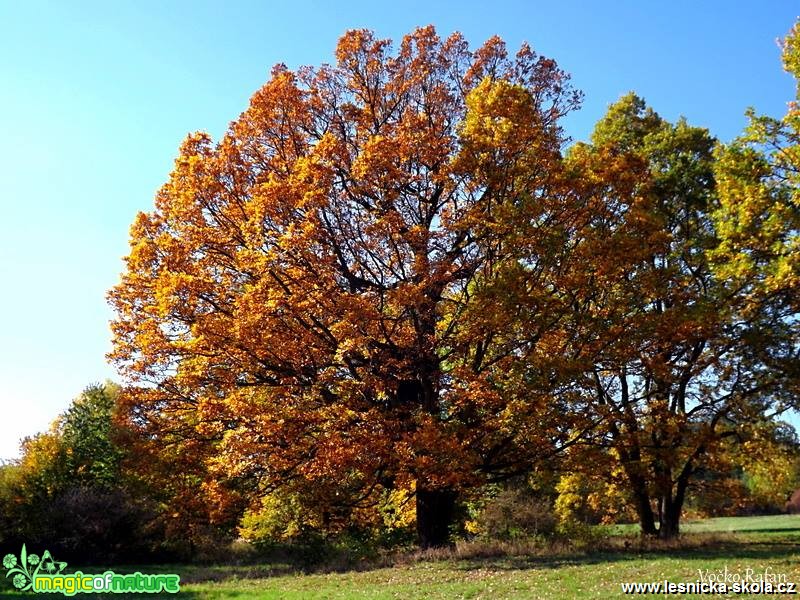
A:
738	544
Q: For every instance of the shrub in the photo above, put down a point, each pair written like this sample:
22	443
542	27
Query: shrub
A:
90	524
589	499
512	513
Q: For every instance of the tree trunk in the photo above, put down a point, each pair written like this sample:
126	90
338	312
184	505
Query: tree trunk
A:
435	507
672	508
435	512
644	509
670	520
647	521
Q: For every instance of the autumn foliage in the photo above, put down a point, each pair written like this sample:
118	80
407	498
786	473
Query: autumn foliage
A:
318	297
389	281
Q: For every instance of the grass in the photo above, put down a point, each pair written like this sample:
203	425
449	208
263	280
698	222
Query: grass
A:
773	523
765	524
478	571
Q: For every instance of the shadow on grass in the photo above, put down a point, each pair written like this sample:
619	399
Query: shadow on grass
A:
691	547
752	550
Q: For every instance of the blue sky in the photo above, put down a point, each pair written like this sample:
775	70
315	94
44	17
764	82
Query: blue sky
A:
96	97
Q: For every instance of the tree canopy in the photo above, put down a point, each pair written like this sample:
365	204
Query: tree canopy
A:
695	365
390	276
308	295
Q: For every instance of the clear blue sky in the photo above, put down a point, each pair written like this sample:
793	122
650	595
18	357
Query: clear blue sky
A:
97	96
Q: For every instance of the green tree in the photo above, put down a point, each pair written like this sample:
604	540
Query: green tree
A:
88	435
688	368
758	224
759	186
68	491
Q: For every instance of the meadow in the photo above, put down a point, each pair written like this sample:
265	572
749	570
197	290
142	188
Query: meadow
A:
483	571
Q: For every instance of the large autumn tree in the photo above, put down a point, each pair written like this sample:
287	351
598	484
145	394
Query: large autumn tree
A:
359	287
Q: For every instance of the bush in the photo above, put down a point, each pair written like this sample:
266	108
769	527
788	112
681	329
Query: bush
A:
590	499
581	535
513	513
90	524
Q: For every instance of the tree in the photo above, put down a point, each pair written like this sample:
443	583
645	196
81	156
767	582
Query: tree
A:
758	222
89	435
750	474
759	183
694	362
68	490
769	460
322	297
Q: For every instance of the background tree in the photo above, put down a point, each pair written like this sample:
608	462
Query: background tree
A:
300	305
758	220
692	363
68	491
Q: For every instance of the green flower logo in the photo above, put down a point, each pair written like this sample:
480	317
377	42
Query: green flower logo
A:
20	580
24	570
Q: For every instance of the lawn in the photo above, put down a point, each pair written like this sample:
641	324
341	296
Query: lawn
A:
767	524
736	544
